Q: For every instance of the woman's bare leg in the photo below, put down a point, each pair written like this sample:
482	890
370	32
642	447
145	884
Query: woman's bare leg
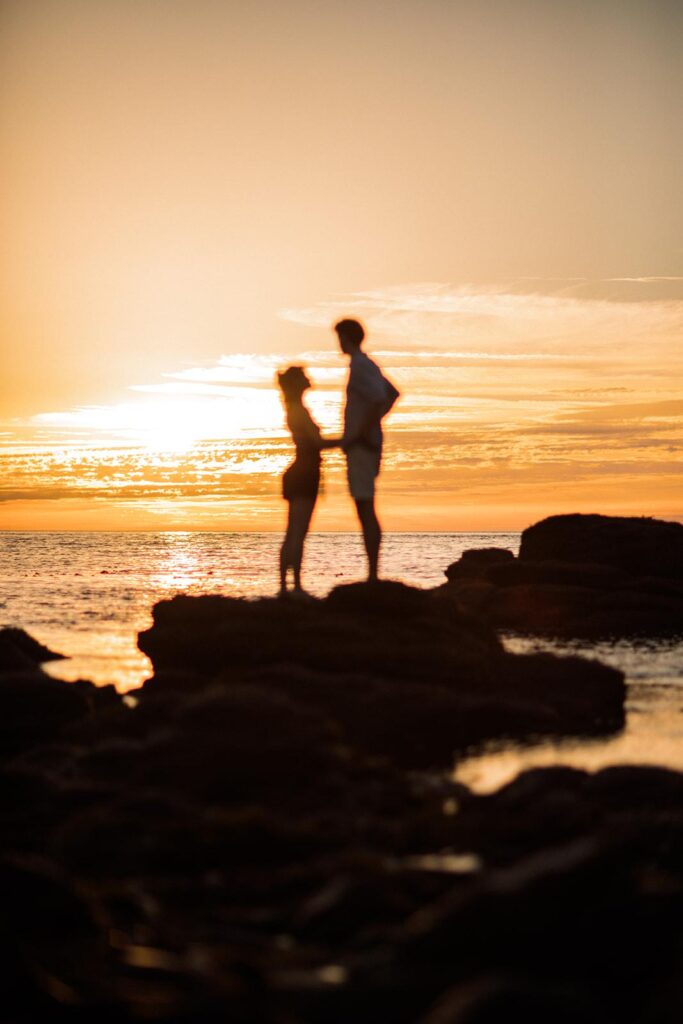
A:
285	551
292	550
284	555
300	512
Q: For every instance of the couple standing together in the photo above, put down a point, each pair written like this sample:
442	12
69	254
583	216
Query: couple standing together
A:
369	397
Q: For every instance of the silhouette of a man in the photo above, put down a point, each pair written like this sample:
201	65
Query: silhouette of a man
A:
369	396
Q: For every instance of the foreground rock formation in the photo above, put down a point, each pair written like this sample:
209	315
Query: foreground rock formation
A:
579	575
265	837
394	670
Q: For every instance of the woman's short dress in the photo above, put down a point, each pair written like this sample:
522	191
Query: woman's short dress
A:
302	478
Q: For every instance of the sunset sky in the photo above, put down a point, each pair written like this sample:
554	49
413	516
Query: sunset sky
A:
193	191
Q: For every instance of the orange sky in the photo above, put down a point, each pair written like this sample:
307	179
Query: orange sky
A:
194	191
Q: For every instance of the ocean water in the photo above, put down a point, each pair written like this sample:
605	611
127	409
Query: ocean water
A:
87	595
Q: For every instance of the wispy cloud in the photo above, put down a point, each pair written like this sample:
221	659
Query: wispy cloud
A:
505	319
523	393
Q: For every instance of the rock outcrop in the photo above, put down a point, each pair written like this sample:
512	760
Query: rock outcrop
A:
576	575
399	671
35	708
20	652
636	546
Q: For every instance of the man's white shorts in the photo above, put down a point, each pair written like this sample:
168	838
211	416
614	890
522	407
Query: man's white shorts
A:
362	468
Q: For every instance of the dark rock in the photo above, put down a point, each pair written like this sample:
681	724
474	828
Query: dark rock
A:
399	672
52	944
361	898
252	841
609	932
639	546
495	999
239	745
111	759
380	600
38	902
13	659
22	790
541	807
416	724
551	806
530	786
587	576
561	574
35	709
642	786
118	721
29	808
54	759
476	561
567	610
99	697
597	608
380	628
251	837
171	681
19	651
584	694
146	831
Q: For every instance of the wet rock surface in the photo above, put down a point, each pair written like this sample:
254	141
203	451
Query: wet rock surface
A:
272	835
579	575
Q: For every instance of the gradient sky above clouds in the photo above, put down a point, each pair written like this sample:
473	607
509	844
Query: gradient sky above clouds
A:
193	192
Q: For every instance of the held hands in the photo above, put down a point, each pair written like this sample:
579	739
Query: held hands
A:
361	440
346	442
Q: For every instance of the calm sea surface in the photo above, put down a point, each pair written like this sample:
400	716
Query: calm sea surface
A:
88	594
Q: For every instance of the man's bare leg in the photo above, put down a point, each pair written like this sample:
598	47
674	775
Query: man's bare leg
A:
372	534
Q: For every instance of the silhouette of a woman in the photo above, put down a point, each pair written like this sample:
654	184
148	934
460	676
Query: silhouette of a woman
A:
301	480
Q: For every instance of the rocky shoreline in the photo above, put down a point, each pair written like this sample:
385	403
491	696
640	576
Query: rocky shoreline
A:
272	833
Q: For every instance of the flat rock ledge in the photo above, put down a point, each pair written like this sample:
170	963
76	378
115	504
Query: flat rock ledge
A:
579	575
